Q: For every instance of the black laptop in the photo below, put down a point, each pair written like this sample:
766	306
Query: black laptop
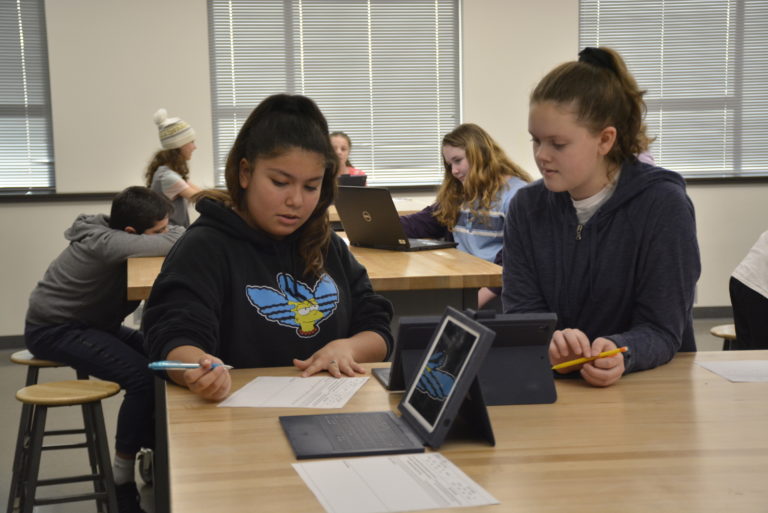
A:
444	388
353	180
516	371
370	219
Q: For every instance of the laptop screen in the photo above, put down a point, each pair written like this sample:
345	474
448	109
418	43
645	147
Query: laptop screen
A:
353	180
436	380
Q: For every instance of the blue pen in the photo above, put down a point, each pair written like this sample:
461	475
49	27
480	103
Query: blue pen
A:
173	365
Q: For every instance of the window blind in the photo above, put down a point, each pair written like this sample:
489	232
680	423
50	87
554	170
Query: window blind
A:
704	66
26	156
385	72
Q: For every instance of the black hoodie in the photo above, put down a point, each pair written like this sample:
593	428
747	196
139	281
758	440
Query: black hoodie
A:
628	274
238	294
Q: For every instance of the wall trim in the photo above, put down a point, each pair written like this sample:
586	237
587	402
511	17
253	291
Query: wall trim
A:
712	312
53	197
12	342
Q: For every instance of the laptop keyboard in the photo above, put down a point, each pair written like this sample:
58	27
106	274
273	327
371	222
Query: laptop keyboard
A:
363	430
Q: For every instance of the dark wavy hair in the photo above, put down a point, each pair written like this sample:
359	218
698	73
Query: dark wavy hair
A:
138	207
603	93
277	125
171	158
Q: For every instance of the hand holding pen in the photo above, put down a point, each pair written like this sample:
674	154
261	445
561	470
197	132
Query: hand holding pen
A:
208	377
175	365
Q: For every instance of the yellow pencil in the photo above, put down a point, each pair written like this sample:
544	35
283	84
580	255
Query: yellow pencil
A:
578	361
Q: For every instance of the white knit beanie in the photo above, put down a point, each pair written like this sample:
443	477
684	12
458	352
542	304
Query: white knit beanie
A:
174	132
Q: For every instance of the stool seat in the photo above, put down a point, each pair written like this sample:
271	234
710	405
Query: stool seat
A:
24	357
65	393
724	331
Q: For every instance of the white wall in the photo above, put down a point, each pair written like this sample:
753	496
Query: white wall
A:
508	45
113	63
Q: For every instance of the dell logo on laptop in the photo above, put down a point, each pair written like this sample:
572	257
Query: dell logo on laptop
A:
367	216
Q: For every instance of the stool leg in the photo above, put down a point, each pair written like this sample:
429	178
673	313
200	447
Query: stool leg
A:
20	458
33	464
32	373
22	443
90	442
101	446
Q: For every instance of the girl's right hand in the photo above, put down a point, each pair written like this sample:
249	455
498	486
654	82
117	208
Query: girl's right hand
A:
566	345
212	383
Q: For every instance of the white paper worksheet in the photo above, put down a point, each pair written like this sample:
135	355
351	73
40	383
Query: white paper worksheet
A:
383	484
739	371
295	392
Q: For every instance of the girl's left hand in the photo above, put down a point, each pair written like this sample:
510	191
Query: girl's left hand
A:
603	372
336	357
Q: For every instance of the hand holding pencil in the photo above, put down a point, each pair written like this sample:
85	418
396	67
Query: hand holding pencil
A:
571	350
579	361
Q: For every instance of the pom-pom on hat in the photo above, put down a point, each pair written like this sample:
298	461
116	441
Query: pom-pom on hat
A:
174	132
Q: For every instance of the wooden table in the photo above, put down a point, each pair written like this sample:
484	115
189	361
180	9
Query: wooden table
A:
388	270
673	439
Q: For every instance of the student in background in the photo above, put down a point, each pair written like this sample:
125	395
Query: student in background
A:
342	145
605	241
260	279
749	297
168	173
76	312
472	202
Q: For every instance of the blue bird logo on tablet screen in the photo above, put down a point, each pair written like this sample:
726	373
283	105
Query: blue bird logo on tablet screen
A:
434	381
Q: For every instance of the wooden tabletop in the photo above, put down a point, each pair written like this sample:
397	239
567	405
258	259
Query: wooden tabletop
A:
673	439
388	270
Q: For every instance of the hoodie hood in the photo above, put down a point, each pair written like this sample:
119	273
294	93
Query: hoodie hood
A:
87	225
635	179
216	215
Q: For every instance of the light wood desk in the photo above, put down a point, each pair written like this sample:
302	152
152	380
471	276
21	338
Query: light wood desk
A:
673	439
388	271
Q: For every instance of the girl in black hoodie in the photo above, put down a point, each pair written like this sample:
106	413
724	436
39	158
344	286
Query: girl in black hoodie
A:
260	279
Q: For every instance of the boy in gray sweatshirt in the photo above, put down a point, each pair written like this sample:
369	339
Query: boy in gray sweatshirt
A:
76	312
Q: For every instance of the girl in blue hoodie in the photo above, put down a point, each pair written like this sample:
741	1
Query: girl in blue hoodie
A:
605	241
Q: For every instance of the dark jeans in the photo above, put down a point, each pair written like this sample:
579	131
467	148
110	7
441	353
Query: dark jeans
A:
750	315
117	357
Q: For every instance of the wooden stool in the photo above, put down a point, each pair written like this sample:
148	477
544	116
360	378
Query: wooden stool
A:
88	395
34	365
725	331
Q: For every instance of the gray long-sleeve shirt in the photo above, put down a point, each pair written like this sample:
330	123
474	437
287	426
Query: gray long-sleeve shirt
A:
86	283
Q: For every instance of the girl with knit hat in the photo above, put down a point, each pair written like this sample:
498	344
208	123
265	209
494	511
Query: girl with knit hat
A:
168	173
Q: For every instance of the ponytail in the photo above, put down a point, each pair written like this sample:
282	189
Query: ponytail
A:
603	93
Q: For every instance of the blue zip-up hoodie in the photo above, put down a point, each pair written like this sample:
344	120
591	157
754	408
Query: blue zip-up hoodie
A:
628	274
